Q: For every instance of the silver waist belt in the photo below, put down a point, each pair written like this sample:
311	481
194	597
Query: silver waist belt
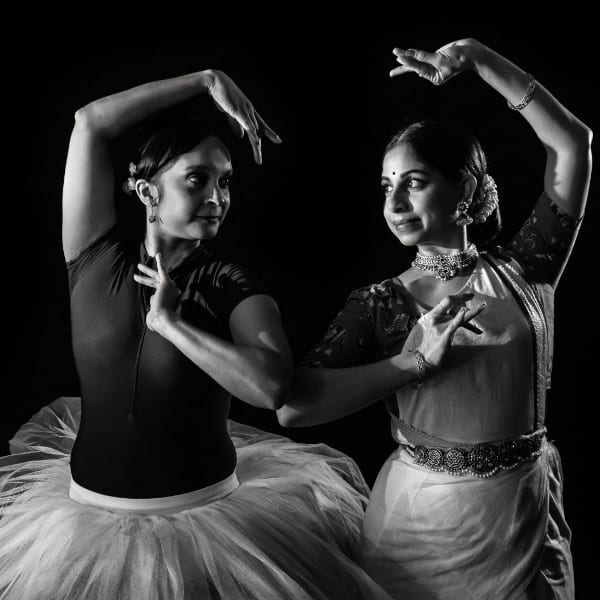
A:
482	460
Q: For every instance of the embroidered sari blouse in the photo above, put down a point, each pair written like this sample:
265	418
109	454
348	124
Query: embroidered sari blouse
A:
484	392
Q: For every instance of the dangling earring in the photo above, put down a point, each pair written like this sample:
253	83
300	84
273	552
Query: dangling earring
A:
464	218
154	207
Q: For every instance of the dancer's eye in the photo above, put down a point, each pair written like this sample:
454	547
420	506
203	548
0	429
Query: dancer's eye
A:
198	179
386	189
414	184
225	182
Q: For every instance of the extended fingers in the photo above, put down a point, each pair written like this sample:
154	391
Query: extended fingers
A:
255	139
235	125
473	312
403	68
462	318
152	273
421	68
251	116
256	144
149	281
150	277
243	121
161	268
400	71
424	64
445	306
456	322
268	131
418	55
159	265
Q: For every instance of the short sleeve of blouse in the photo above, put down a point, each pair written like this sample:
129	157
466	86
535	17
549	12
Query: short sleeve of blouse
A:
543	244
350	338
229	285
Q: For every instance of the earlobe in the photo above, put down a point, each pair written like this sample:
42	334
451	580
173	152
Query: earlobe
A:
146	192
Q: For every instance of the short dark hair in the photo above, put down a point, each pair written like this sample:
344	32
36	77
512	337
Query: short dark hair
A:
456	153
173	132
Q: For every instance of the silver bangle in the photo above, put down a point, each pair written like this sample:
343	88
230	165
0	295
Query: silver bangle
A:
531	85
421	367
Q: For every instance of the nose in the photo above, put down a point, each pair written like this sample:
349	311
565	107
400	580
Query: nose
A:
216	197
397	201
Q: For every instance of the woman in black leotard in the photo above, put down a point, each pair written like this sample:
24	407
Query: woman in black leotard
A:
163	497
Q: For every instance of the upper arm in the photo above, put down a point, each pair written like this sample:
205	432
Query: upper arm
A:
568	172
543	244
349	339
256	322
88	189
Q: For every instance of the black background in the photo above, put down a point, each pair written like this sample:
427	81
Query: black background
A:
309	220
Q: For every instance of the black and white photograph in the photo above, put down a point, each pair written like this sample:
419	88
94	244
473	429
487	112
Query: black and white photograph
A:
300	307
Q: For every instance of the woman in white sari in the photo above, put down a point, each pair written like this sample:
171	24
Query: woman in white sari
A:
470	504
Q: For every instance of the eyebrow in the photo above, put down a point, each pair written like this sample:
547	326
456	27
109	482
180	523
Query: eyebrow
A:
201	167
421	171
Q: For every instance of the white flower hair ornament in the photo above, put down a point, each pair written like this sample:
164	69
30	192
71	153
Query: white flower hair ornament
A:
486	200
129	185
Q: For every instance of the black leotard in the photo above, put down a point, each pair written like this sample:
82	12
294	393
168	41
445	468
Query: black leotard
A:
153	423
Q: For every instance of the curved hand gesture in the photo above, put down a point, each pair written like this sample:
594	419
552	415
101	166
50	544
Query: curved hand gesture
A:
166	298
437	67
240	112
440	324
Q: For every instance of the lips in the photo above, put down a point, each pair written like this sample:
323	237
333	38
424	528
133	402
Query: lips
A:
406	222
209	218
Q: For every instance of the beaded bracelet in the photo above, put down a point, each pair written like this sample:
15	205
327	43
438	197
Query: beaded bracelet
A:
527	97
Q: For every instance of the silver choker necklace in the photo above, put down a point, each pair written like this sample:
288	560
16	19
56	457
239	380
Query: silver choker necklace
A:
446	266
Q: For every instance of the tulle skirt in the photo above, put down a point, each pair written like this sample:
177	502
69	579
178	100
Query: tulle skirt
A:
286	532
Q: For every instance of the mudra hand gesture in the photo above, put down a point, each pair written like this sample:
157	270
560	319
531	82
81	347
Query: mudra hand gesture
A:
240	112
165	300
440	324
437	67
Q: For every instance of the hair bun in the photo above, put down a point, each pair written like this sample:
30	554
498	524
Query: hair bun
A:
486	201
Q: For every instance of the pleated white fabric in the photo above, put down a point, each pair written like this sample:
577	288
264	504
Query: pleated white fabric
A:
286	532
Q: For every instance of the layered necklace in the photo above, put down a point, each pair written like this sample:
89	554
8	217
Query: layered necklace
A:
446	266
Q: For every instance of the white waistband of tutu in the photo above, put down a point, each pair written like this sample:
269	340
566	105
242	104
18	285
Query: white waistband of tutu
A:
158	506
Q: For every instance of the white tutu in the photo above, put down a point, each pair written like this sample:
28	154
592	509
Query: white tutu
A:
286	532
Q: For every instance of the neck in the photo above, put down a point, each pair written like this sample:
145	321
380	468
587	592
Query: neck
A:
434	249
172	250
457	243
